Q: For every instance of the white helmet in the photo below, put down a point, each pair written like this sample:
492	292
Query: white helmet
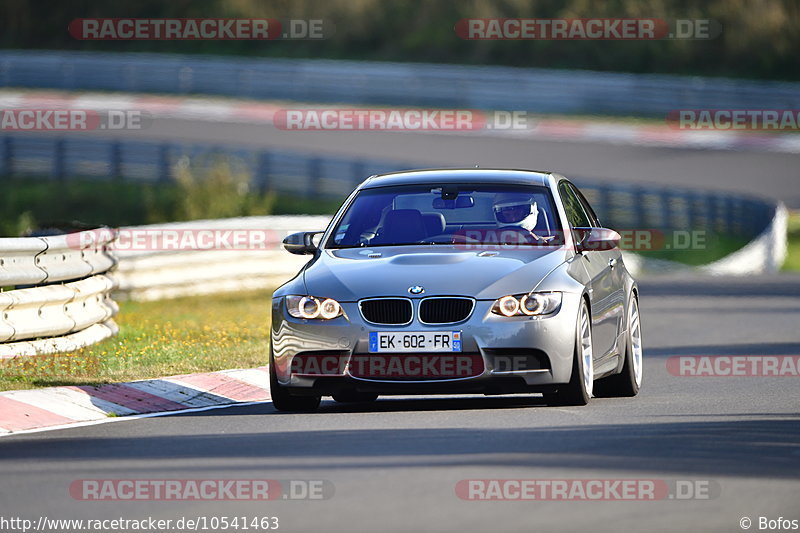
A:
517	209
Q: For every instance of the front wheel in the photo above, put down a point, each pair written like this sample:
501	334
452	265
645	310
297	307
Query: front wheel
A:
628	382
581	383
282	400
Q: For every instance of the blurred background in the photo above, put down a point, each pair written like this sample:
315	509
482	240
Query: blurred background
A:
205	144
199	145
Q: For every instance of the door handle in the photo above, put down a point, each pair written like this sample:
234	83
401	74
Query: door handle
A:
612	262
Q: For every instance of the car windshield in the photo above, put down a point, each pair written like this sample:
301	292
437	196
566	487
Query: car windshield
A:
449	214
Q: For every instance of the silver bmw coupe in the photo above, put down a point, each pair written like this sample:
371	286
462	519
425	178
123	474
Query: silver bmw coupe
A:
458	281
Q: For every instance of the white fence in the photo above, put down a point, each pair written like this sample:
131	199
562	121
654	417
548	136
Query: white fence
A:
62	300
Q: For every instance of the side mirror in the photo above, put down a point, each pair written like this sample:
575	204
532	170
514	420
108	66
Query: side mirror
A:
595	239
301	243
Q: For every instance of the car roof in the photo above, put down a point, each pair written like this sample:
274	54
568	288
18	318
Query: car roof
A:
459	175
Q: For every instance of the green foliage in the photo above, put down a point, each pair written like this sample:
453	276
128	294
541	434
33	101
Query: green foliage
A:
793	248
214	192
27	204
214	188
714	247
218	191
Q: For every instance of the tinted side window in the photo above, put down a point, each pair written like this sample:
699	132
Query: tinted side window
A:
575	214
594	222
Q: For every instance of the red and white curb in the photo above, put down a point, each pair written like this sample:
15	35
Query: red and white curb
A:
55	407
565	129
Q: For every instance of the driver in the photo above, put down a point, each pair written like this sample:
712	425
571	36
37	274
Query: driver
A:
515	209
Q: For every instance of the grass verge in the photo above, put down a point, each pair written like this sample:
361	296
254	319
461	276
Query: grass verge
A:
156	339
712	248
792	262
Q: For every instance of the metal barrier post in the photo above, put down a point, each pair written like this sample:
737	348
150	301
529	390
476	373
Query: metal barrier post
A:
59	160
314	175
164	171
263	176
8	155
116	160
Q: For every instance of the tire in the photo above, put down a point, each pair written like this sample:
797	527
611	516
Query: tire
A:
581	384
282	400
354	397
628	382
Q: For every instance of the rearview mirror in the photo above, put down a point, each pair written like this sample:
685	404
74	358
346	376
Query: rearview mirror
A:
301	243
461	202
595	239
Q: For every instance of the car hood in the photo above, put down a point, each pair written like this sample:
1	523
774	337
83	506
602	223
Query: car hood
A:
351	274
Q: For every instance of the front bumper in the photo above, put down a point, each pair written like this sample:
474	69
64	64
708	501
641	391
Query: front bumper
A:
518	354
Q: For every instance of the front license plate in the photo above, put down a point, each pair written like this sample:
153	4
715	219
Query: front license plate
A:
414	341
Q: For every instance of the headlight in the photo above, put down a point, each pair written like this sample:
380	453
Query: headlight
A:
533	304
311	307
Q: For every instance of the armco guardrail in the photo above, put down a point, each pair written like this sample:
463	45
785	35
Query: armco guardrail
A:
154	272
412	84
59	297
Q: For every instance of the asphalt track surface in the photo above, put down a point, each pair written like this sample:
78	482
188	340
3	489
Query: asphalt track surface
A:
771	175
395	463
